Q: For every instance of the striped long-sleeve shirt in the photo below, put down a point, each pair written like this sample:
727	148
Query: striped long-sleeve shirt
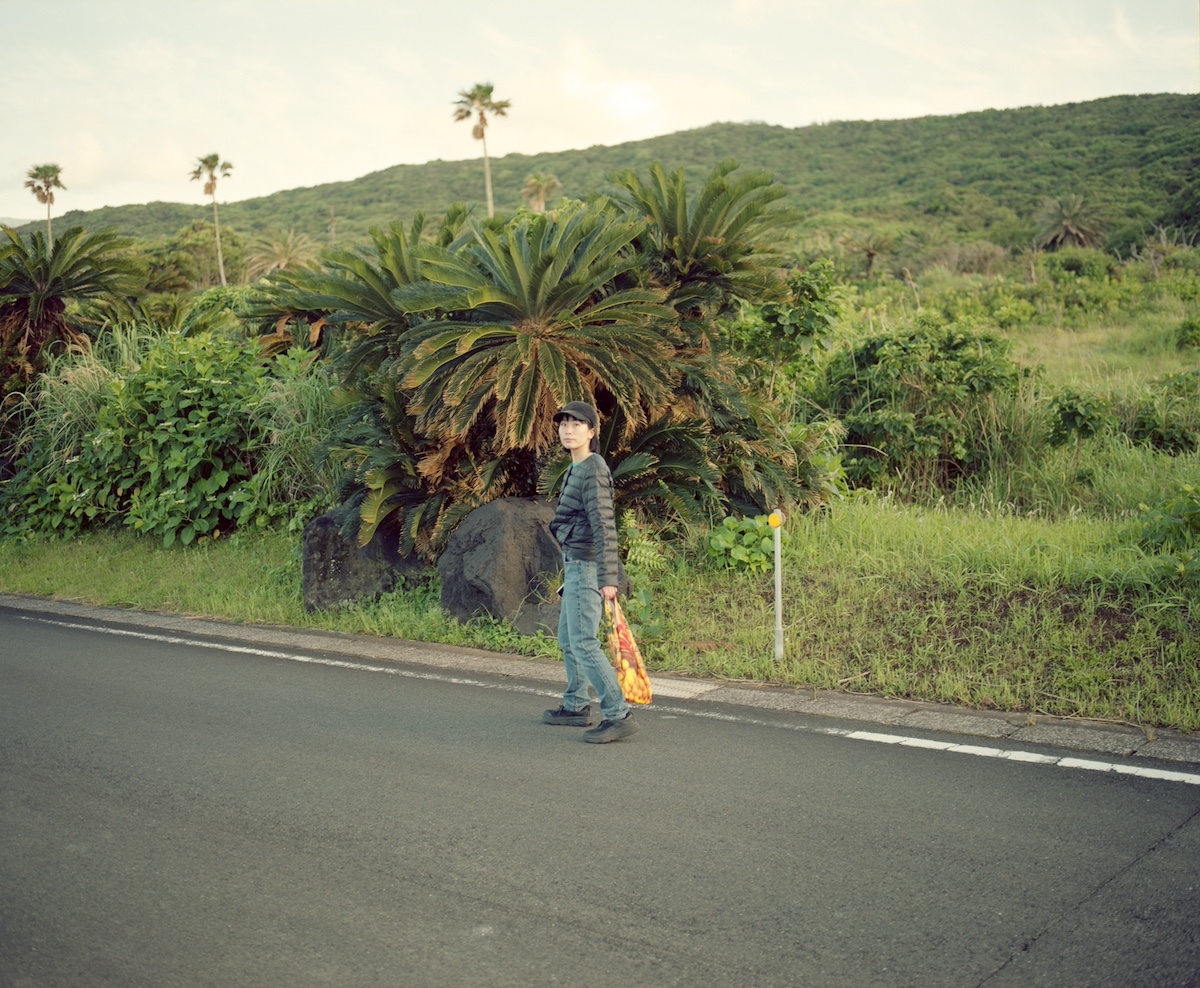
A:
584	522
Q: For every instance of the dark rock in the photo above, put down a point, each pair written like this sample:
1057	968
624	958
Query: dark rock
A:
500	561
338	572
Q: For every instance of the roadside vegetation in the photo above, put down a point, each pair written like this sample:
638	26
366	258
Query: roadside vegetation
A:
988	452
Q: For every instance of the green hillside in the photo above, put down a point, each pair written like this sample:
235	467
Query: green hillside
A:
975	172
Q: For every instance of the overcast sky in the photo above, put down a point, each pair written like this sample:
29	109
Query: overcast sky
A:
125	95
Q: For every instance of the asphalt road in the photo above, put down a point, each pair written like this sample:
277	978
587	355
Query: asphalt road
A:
178	814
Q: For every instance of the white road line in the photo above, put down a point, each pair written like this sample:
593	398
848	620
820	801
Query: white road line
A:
387	670
1010	754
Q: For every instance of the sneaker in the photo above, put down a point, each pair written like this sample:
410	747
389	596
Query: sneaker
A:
568	718
611	730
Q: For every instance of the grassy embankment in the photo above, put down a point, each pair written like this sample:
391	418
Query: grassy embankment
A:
936	604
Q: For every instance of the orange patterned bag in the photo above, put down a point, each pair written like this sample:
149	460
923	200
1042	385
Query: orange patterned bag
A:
626	658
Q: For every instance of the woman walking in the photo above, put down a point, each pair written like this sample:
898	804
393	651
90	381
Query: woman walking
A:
585	527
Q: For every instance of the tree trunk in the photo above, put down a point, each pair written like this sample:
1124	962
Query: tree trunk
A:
487	177
49	235
217	227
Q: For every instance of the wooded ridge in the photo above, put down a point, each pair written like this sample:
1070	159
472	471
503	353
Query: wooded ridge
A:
982	171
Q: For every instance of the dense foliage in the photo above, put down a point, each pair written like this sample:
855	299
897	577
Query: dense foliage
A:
917	403
742	353
37	281
183	438
455	353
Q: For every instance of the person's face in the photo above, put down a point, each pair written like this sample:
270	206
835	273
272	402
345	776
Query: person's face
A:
575	434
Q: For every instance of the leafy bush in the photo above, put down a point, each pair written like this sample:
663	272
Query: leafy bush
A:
221	310
1171	529
1173	523
744	544
1164	415
917	403
171	451
1079	415
786	330
1070	263
1187	336
1166	423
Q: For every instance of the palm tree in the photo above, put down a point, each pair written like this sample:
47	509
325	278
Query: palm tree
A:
36	283
1067	221
280	252
208	168
538	188
478	102
871	245
459	349
43	180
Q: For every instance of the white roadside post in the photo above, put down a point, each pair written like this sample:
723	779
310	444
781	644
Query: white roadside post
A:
775	520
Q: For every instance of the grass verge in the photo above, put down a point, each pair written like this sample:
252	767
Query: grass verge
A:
998	612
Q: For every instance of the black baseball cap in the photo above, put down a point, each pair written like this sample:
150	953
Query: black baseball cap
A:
580	410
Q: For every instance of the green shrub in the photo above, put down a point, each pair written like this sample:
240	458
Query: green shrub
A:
1070	263
787	329
1187	336
1167	424
918	403
1173	523
1009	310
744	544
1164	415
1079	415
170	453
1171	529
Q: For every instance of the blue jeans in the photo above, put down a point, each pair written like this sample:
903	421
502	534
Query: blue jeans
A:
578	624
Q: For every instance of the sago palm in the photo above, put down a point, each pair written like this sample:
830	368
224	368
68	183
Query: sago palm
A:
524	319
280	252
1068	221
354	288
36	283
713	248
518	320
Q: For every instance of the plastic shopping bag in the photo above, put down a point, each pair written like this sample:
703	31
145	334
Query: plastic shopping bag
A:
626	658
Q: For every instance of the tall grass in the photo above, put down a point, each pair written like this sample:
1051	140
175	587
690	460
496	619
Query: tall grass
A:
1130	349
74	386
298	413
1106	477
940	604
1123	359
